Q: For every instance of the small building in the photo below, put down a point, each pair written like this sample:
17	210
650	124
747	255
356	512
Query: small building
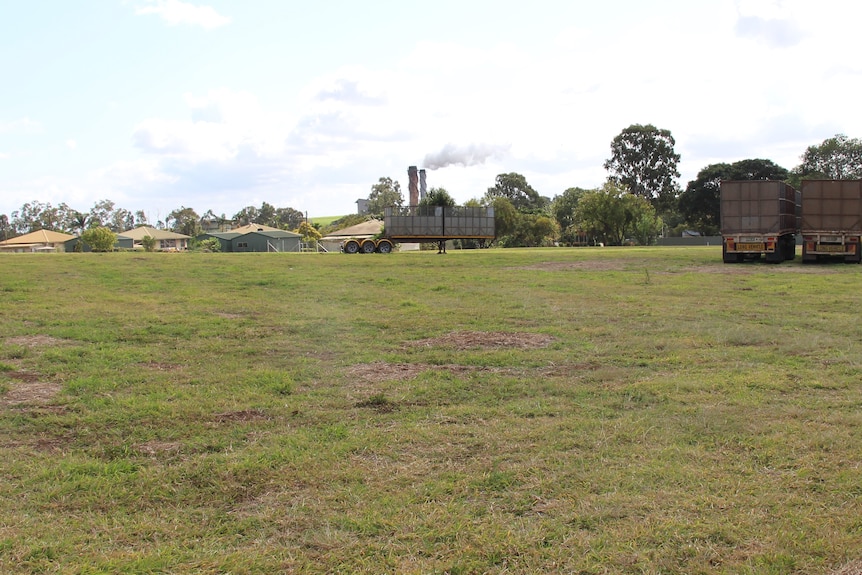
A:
122	243
266	241
165	240
224	239
38	241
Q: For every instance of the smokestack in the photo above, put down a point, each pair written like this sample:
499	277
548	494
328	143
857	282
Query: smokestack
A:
422	188
413	178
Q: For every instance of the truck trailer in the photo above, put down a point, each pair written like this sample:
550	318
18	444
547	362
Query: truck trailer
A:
758	218
426	224
831	224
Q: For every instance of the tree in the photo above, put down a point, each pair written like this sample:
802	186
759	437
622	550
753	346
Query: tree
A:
288	218
505	217
384	193
521	195
563	207
247	215
837	158
613	214
100	239
185	221
100	213
643	159
437	197
266	215
149	243
31	217
6	231
700	203
308	232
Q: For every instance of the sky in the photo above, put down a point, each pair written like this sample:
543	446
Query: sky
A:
222	104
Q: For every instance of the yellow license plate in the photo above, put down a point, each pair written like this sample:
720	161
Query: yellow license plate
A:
749	247
832	248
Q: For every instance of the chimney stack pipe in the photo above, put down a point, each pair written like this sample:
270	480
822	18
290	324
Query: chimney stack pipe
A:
413	179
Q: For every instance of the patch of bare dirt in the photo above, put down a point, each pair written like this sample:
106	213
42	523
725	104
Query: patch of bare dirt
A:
161	366
462	340
34	341
382	371
591	265
240	416
157	447
852	568
30	393
756	267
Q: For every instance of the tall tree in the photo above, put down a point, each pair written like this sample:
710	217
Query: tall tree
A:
6	231
437	197
385	193
700	203
247	215
613	214
101	213
266	215
29	218
521	195
837	158
288	218
185	221
563	207
643	159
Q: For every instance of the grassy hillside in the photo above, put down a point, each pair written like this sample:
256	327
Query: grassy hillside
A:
631	410
324	221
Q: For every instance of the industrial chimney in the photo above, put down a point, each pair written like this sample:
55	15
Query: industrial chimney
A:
422	188
413	186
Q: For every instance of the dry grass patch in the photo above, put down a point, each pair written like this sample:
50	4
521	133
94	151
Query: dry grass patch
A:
463	340
852	568
33	341
29	393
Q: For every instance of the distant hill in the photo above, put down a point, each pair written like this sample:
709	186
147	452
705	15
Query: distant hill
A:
325	220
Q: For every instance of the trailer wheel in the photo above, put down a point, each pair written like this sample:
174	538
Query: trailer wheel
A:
350	247
368	247
384	246
730	258
790	248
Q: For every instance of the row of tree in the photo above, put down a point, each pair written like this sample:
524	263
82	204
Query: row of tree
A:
640	199
105	214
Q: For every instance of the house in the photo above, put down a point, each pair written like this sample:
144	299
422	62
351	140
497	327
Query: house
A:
38	241
165	240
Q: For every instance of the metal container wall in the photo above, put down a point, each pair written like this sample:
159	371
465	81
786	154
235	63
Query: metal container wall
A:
757	207
831	206
436	222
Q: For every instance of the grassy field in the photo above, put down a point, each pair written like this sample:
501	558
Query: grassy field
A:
589	411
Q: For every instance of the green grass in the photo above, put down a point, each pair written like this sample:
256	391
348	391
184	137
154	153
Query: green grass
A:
319	413
325	220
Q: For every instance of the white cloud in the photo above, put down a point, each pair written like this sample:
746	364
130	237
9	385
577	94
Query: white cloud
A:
72	144
20	126
175	12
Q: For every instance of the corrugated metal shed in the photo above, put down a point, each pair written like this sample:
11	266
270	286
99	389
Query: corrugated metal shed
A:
266	241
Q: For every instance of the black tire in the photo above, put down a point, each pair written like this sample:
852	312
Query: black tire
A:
350	247
368	247
730	258
384	246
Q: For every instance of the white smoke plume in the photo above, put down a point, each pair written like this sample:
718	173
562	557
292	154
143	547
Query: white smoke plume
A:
470	155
